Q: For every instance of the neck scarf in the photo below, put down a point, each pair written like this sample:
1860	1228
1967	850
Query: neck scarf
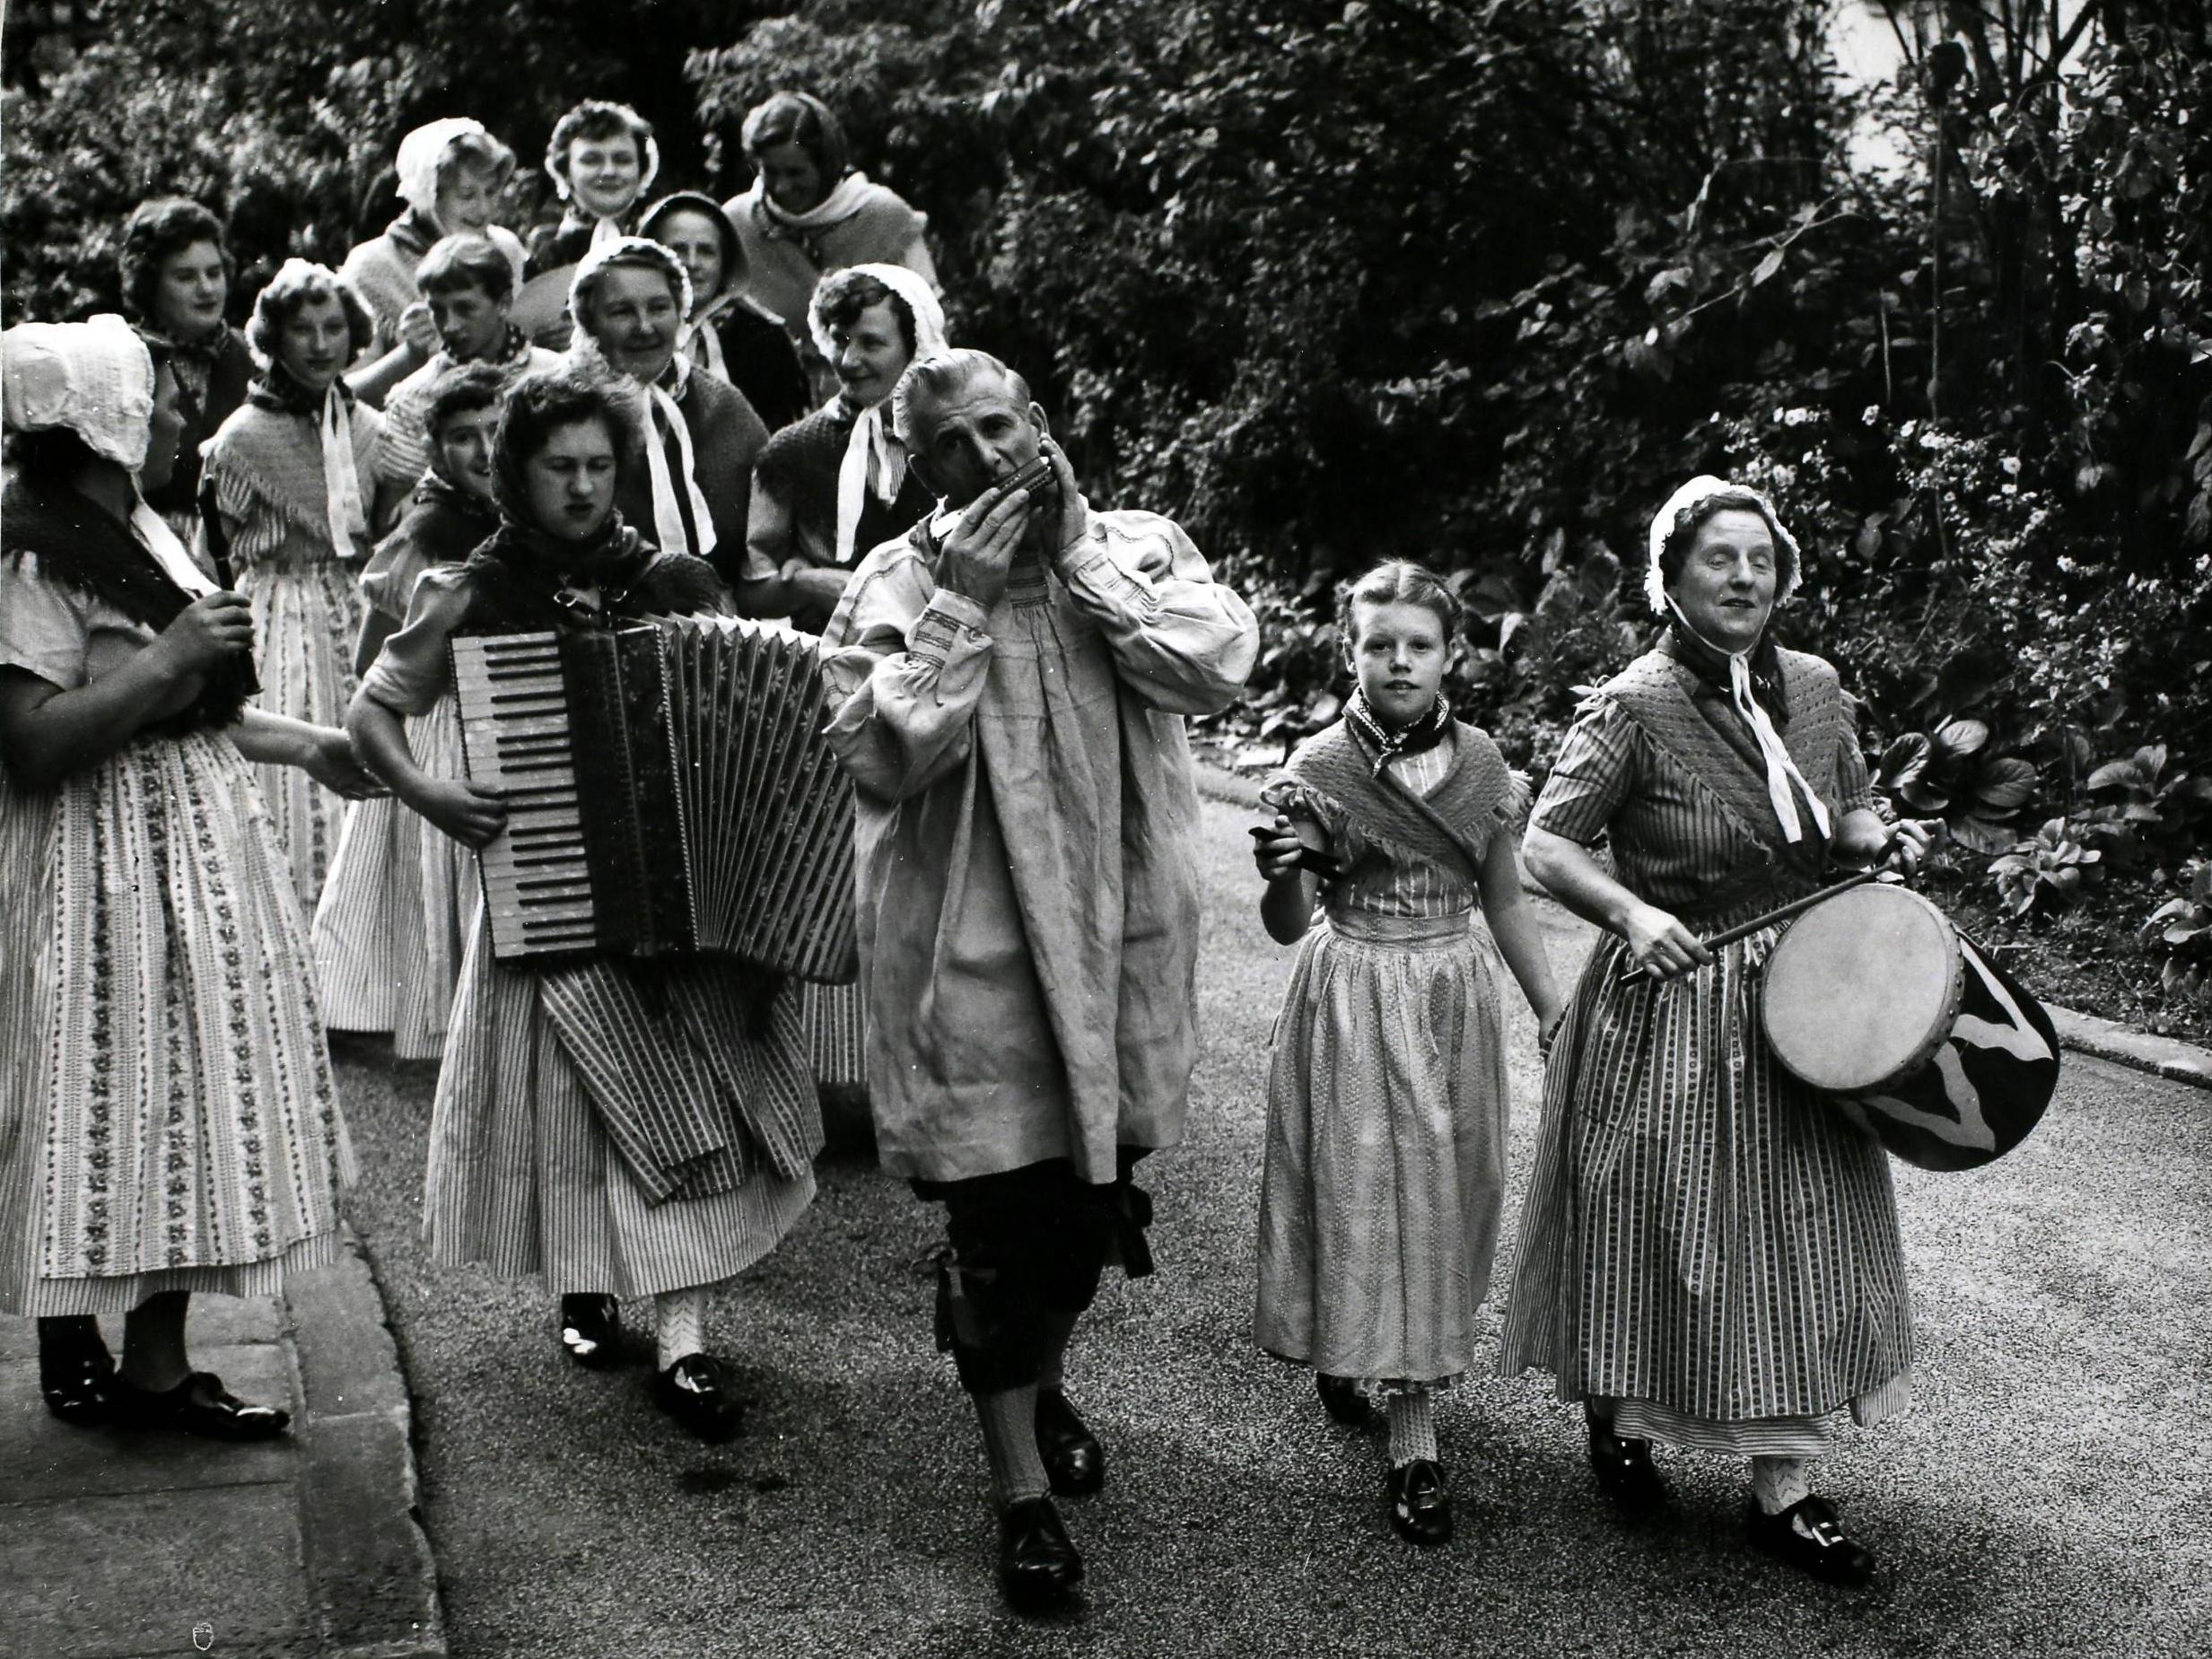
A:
1382	745
1751	681
333	415
661	417
701	340
846	197
875	460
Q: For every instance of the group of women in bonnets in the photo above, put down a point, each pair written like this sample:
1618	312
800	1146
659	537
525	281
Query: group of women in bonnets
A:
459	430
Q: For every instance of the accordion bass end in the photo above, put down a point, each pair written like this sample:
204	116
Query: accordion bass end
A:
668	792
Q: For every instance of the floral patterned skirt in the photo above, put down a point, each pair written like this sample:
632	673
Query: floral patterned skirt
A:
174	1122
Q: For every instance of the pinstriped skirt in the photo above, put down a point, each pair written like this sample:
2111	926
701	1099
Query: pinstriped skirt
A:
1385	1168
1702	1236
836	1039
305	620
524	1179
395	915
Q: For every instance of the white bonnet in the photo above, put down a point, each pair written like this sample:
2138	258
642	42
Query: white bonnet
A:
93	378
929	312
421	150
1698	489
628	250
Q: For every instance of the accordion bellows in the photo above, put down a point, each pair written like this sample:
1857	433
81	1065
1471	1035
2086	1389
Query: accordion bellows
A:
668	791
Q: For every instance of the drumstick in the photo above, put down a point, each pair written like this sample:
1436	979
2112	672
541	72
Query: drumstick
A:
1781	912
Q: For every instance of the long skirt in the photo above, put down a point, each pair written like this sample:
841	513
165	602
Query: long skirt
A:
1704	1241
836	1040
525	1179
396	912
168	1120
1384	1166
306	618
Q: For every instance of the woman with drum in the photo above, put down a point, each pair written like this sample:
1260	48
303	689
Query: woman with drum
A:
1709	1252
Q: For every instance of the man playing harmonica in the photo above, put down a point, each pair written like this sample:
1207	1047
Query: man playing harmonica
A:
1011	681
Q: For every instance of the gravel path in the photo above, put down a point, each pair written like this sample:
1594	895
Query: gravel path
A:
2043	1496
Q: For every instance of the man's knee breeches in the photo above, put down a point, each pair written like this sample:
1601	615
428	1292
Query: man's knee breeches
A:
1024	1254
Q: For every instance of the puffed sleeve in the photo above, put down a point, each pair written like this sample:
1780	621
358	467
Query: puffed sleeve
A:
1181	641
1594	775
43	626
906	665
414	668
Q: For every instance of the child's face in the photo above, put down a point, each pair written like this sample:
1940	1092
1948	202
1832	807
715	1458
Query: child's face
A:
1400	652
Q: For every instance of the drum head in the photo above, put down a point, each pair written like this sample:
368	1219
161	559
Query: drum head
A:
1862	989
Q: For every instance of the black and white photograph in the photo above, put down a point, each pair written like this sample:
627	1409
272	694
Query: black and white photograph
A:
1108	829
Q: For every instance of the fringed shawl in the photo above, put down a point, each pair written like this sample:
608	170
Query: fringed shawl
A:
1332	780
265	468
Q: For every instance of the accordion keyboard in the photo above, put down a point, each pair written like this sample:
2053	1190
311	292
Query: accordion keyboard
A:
516	739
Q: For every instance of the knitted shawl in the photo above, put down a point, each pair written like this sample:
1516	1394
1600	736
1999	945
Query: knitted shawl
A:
799	468
272	455
212	378
1331	779
81	547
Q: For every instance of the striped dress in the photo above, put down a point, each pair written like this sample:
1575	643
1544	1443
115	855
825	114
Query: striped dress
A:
551	1151
265	466
396	914
1704	1240
1385	1165
168	1120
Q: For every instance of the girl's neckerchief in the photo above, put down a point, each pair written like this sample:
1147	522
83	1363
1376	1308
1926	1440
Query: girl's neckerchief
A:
1382	745
1737	677
332	413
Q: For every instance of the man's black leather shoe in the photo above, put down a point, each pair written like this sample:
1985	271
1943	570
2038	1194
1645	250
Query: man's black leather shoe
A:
1037	1562
1074	1461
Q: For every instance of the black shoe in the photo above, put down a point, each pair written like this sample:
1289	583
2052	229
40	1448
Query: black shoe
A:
1037	1562
1623	1470
1343	1397
1808	1535
591	1331
1421	1504
199	1405
1074	1461
694	1392
76	1375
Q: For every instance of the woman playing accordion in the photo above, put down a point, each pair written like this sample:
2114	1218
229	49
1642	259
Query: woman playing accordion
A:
622	1127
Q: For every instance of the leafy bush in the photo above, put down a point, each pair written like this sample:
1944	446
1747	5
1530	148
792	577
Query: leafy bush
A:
2048	872
2182	928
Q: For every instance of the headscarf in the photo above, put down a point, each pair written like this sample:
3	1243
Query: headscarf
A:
698	339
874	458
1741	688
655	406
606	231
333	415
420	153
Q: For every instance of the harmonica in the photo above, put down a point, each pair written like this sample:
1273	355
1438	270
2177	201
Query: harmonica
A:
1033	477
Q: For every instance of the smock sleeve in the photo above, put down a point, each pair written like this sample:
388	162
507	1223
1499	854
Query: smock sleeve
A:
906	665
1181	641
413	667
44	628
1595	773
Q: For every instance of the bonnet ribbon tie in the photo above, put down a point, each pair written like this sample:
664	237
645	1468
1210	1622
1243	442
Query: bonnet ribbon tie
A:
1782	770
874	461
668	510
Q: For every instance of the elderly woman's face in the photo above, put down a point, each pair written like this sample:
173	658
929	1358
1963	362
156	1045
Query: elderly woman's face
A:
188	292
468	197
314	343
606	174
869	354
569	485
633	316
790	176
165	429
1726	591
460	451
696	240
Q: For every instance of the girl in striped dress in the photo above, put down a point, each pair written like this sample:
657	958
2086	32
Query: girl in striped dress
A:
289	480
396	913
1709	1253
168	1123
1386	1099
621	1126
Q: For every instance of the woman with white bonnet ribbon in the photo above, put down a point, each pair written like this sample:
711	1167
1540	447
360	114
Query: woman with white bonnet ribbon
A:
1708	1255
168	1123
452	173
287	483
689	492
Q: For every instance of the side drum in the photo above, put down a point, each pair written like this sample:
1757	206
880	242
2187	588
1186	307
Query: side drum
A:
1875	999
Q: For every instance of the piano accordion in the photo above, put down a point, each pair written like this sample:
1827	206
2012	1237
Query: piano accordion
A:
668	791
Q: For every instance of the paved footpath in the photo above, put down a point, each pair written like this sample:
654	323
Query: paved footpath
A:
2043	1496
